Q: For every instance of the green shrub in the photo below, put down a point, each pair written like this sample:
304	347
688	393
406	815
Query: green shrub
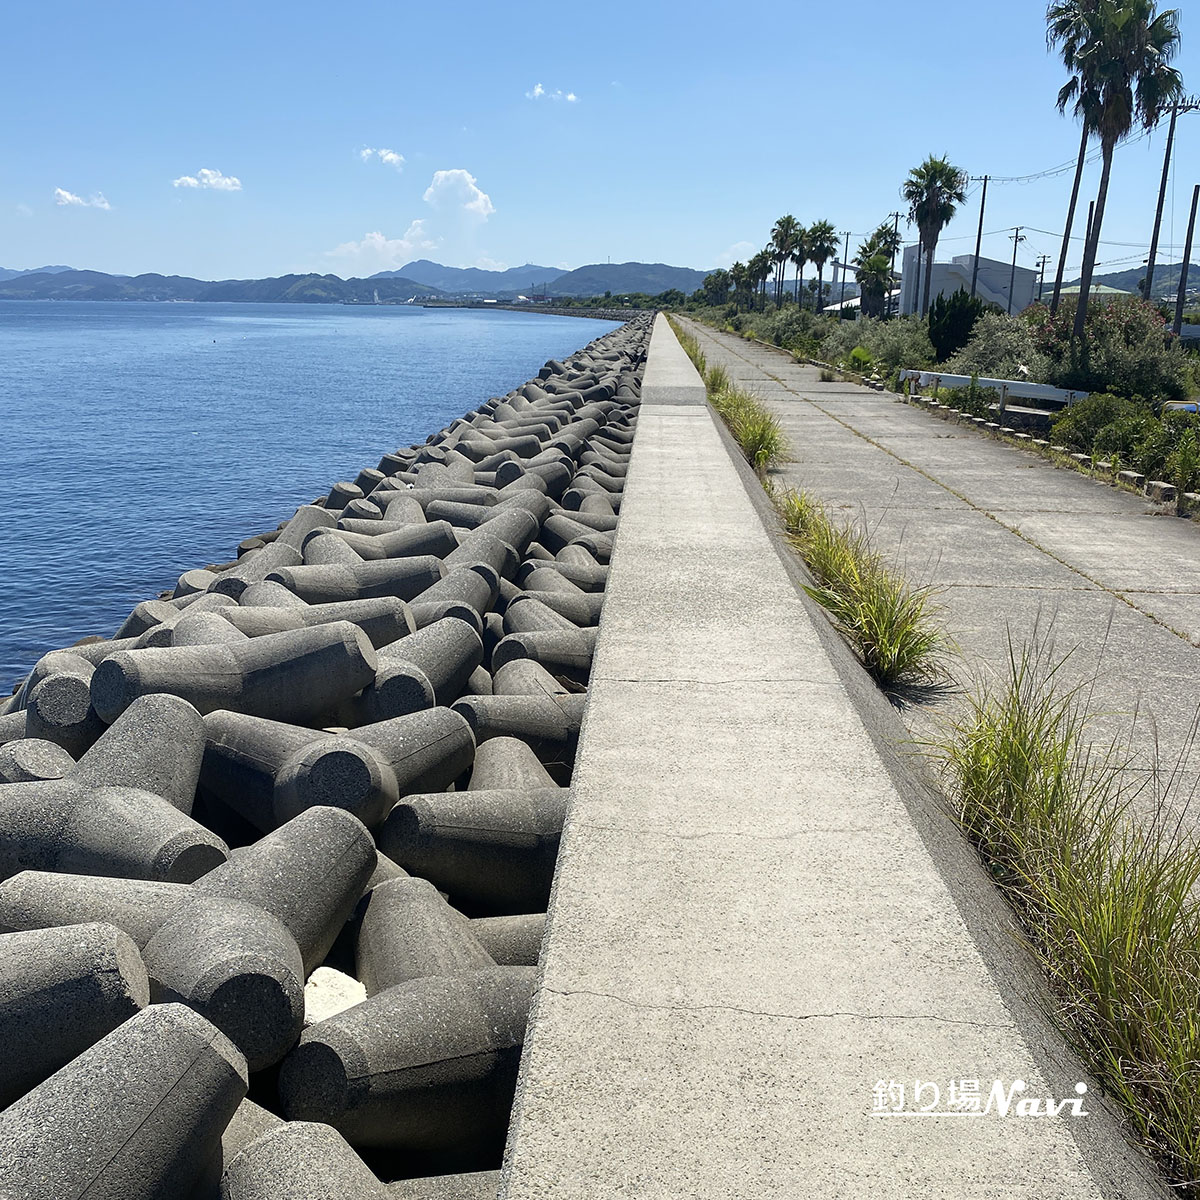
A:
1162	440
951	320
1183	465
1127	350
972	400
1078	427
827	376
1001	347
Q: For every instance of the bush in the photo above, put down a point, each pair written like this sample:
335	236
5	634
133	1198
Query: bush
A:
951	322
901	342
1127	350
860	359
1079	426
1002	347
1120	439
973	400
1162	441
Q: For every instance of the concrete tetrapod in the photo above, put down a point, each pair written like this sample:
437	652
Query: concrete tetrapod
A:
269	771
568	653
383	619
300	1160
60	825
427	1065
427	751
512	941
59	706
550	724
61	991
241	948
474	1185
429	668
156	744
406	578
491	851
135	1117
297	675
29	759
407	931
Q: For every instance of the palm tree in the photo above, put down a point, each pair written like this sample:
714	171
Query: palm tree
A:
740	274
760	270
933	191
800	257
872	269
822	246
1118	53
783	238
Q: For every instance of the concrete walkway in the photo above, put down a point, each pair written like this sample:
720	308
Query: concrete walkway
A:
1012	541
748	934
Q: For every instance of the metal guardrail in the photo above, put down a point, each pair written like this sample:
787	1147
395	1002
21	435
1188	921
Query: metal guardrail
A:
1009	389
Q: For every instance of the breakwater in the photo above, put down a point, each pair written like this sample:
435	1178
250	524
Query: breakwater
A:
274	858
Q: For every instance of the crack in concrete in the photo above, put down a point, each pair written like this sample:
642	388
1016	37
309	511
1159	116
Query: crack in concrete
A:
782	1016
670	834
709	682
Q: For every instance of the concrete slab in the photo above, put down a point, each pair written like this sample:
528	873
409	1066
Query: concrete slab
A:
969	509
748	933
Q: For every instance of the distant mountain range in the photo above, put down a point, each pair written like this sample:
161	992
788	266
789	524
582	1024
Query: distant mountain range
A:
1166	279
6	273
305	289
416	280
474	279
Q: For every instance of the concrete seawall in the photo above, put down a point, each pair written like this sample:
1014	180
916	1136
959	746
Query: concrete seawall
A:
750	946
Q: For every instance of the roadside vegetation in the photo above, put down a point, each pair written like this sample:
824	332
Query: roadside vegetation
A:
754	427
1107	895
892	625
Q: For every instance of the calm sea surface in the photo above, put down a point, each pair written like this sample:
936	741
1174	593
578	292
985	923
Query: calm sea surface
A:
139	440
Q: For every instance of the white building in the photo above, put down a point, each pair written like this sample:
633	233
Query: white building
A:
991	286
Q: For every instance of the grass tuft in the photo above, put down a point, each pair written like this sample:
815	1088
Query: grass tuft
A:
1108	898
890	623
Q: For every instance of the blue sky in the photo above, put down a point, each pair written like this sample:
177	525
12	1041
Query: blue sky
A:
353	137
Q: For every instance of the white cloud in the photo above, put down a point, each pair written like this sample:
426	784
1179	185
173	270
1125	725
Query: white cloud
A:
208	178
738	252
97	200
388	157
378	253
490	264
457	189
540	93
23	210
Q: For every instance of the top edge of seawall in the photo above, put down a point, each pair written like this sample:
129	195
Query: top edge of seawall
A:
670	377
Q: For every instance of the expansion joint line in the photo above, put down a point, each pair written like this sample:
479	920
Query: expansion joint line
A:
1096	583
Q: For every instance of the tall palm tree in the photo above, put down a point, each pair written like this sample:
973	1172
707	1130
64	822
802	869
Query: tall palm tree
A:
740	274
760	271
800	257
783	238
822	246
933	191
1118	53
872	270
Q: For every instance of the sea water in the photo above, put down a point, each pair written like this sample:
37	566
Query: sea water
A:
139	440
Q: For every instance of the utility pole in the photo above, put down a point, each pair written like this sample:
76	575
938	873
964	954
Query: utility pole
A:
887	303
846	260
979	239
1017	239
1189	105
1045	258
1187	258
